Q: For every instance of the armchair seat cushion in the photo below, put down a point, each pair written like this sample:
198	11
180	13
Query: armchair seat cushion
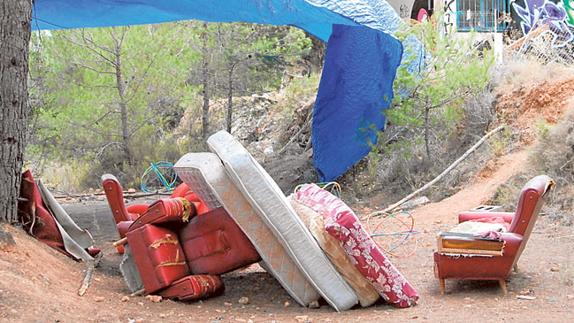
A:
497	217
476	227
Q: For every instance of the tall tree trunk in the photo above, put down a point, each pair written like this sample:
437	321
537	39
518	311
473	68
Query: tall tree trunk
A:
317	54
122	97
230	98
205	82
427	133
15	18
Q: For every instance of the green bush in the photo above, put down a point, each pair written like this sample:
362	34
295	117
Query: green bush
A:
437	113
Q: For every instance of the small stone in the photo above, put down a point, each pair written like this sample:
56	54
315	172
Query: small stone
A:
227	304
302	318
99	299
243	300
162	315
250	321
286	304
140	303
314	304
526	297
554	269
131	190
154	298
125	299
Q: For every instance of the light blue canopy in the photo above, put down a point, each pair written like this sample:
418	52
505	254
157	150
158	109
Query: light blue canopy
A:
348	87
314	16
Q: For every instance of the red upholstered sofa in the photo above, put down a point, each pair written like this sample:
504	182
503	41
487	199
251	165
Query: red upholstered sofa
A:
480	267
178	250
165	249
125	215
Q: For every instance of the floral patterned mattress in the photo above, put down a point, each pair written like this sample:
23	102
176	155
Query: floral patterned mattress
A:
342	223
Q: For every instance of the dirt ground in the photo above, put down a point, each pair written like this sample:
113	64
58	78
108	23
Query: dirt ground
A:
38	284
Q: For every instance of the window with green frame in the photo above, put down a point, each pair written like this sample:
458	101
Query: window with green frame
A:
482	15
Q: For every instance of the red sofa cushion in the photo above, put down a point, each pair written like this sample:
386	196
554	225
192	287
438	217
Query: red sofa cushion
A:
166	210
158	256
194	287
214	244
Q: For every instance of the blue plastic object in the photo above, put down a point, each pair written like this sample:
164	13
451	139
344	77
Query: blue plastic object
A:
314	16
355	89
357	77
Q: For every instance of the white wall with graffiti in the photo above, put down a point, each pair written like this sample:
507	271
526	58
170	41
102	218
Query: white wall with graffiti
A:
500	16
556	17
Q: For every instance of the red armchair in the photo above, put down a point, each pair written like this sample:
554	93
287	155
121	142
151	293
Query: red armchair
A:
166	250
520	225
178	245
125	215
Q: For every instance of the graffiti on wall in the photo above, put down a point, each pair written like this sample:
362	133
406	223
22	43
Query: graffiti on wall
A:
449	15
559	17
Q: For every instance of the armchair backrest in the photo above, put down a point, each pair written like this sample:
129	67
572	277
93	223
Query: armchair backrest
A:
532	197
115	196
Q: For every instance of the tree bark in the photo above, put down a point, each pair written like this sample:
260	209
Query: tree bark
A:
427	134
205	82
122	97
15	16
230	98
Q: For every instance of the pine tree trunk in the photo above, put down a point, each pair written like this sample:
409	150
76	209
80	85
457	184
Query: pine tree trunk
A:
124	124
15	18
205	82
230	98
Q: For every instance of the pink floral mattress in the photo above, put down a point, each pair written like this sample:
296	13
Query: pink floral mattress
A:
342	223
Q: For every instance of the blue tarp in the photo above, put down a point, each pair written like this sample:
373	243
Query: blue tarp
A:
357	78
359	69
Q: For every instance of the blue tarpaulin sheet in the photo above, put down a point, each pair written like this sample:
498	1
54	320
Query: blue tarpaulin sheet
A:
357	78
359	69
